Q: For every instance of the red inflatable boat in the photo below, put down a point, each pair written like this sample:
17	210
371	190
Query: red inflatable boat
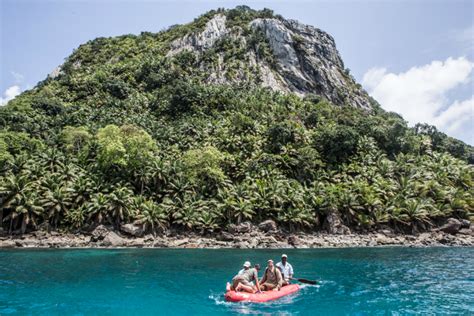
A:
233	296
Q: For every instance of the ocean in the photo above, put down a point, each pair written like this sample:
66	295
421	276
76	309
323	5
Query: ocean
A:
352	281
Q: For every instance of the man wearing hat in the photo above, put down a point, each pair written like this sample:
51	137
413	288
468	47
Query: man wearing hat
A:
272	278
286	269
243	280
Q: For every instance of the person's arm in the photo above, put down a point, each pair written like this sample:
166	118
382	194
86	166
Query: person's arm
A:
257	284
290	272
264	278
279	279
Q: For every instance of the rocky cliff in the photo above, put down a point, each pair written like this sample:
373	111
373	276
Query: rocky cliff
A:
304	59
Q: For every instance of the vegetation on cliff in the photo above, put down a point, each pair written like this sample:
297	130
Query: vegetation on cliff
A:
126	134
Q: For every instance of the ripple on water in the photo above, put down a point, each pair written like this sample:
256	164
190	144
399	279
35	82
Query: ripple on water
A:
190	282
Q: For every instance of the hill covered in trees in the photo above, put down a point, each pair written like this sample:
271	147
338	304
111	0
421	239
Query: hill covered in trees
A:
240	115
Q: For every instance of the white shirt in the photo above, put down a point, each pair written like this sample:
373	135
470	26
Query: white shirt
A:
286	269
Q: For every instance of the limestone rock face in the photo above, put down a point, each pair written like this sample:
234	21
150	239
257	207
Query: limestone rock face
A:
306	60
310	63
215	29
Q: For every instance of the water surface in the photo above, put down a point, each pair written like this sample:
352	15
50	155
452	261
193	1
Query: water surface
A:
354	281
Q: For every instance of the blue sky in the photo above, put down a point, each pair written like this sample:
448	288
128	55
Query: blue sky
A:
415	57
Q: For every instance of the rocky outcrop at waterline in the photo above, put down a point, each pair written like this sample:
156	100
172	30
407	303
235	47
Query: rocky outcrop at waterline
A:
243	236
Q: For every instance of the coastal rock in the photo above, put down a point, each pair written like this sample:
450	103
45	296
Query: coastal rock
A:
452	226
179	242
225	236
466	231
425	238
242	245
465	223
253	243
282	245
244	227
113	240
99	233
148	238
387	232
445	239
220	244
268	226
132	230
136	242
294	240
7	244
333	224
266	242
28	243
383	240
465	237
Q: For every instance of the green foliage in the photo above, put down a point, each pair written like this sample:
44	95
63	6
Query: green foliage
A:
242	15
127	147
336	142
282	134
203	168
129	134
76	140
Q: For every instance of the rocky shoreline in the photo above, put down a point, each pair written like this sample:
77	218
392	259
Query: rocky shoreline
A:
244	236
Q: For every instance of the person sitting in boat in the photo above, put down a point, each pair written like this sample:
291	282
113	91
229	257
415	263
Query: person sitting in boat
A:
286	269
271	278
243	280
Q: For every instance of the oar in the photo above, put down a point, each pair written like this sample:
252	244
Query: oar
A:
305	281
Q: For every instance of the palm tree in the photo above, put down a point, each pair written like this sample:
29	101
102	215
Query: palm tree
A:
82	189
24	211
76	217
235	203
208	217
152	216
349	205
415	210
179	186
157	174
187	210
12	189
295	212
56	203
98	208
52	159
119	201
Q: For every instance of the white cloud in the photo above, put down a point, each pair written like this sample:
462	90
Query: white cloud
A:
9	94
456	115
18	77
421	93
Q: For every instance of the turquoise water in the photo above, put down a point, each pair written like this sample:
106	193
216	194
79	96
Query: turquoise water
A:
354	281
